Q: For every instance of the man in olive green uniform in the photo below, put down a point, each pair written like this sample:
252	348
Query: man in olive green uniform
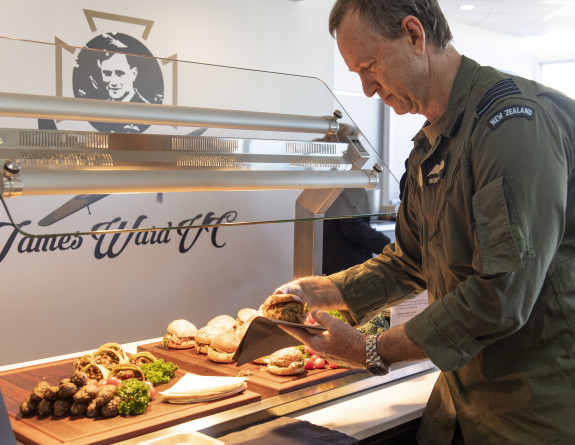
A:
486	225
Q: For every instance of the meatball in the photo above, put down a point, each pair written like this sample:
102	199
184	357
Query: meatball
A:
43	390
78	409
86	393
106	393
45	407
79	378
28	407
92	409
62	407
67	389
112	408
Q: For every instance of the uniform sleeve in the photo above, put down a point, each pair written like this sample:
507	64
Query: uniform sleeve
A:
520	170
392	276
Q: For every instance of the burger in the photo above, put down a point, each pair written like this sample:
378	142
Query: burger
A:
224	322
244	315
204	337
223	347
180	335
287	361
285	307
262	360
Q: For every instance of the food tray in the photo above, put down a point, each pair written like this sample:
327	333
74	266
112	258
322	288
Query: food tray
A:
17	384
259	380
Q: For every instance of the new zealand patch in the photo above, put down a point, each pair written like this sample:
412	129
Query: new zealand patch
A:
508	113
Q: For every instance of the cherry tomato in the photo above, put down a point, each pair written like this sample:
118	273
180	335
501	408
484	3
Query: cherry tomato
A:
309	319
114	381
152	389
309	363
333	365
319	363
309	350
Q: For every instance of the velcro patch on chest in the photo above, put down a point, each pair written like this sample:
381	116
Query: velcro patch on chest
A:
509	113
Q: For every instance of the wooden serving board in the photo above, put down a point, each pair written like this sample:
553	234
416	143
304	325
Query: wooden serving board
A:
17	384
259	380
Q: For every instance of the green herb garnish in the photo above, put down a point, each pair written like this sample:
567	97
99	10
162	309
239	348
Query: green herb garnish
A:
159	372
135	396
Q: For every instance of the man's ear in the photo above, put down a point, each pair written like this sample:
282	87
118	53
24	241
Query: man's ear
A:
135	72
413	29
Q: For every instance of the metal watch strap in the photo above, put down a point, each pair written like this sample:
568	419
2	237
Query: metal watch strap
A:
374	363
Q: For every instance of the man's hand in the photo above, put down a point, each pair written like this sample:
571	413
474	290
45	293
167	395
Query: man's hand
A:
292	287
318	292
341	343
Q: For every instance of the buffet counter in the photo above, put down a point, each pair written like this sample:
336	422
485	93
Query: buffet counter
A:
358	406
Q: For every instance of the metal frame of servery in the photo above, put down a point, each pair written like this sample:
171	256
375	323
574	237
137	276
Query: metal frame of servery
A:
41	162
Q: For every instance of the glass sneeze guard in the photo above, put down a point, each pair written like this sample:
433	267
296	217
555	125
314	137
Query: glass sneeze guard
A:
254	147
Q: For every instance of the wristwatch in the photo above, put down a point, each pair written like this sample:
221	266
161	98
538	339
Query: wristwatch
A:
374	363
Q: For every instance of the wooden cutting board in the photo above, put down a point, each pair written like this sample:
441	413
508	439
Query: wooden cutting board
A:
17	384
259	380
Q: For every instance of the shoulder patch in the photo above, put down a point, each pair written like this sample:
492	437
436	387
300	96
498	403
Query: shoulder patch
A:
510	112
500	89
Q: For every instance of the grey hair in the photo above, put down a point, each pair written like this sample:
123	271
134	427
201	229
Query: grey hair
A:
384	17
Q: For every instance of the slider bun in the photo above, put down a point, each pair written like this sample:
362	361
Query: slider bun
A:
284	307
223	347
204	337
293	369
286	356
246	314
223	321
182	328
172	342
220	357
286	361
242	328
226	342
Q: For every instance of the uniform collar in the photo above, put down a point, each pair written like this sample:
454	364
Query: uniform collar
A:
460	92
458	99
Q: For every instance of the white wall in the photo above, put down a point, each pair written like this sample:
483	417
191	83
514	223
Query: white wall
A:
67	300
277	35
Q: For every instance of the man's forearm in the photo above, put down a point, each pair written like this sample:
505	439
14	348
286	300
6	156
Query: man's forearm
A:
394	346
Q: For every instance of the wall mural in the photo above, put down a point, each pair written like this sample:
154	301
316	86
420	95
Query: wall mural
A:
99	71
107	75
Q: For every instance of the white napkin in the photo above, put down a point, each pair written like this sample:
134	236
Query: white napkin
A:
200	388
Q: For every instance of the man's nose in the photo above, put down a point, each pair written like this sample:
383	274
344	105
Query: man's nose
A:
369	85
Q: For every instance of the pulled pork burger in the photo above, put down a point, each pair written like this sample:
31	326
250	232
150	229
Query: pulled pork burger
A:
204	337
223	347
223	322
180	335
287	361
245	315
285	307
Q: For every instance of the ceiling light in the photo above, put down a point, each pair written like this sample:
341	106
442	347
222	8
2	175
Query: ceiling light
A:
467	7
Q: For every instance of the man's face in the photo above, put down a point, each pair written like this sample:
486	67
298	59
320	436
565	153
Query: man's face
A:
119	77
386	67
